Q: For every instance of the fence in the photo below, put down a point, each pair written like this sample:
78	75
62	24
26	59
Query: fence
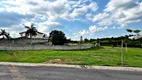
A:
10	45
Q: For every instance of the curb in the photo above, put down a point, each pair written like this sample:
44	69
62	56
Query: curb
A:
73	66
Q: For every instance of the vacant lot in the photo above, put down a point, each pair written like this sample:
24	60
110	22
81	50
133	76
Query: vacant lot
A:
107	56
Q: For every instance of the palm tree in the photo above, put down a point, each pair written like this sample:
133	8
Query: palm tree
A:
4	33
31	31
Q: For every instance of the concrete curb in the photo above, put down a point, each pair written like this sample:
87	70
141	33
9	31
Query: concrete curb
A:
74	66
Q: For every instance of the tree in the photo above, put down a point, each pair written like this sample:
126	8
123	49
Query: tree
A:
127	37
4	33
31	31
86	40
129	30
137	31
57	37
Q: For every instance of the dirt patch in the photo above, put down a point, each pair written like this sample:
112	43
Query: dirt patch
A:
58	61
111	50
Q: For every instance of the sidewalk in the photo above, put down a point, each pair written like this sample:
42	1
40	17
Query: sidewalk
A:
73	66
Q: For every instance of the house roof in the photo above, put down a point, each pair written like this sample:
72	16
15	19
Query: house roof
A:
25	32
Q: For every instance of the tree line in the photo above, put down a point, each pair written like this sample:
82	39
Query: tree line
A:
116	41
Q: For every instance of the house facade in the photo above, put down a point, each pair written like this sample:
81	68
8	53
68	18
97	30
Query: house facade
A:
135	37
38	36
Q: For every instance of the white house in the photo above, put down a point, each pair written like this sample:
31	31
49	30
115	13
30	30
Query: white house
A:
38	36
136	37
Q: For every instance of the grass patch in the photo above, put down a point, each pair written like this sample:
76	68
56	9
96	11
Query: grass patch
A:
106	56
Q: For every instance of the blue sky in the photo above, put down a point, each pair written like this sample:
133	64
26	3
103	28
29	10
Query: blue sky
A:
87	18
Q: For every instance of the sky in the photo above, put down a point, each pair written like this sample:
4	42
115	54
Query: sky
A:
87	18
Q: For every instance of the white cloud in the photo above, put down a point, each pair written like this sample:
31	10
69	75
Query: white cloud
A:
76	36
79	11
84	9
114	5
103	19
106	22
114	27
89	32
14	30
52	10
120	12
93	6
94	29
83	32
49	10
101	16
89	16
47	26
45	14
123	25
125	11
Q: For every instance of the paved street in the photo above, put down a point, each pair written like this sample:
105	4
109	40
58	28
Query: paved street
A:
58	73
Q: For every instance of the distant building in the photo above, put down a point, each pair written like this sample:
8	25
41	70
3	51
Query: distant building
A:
38	36
135	37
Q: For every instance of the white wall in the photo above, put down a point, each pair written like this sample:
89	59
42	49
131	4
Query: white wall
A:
37	36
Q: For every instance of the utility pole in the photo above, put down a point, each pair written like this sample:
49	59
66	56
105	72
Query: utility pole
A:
122	54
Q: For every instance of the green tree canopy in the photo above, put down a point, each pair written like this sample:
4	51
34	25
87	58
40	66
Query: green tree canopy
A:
129	30
137	31
86	40
31	31
57	37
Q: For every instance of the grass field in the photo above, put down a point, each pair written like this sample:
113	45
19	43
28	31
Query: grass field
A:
106	56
